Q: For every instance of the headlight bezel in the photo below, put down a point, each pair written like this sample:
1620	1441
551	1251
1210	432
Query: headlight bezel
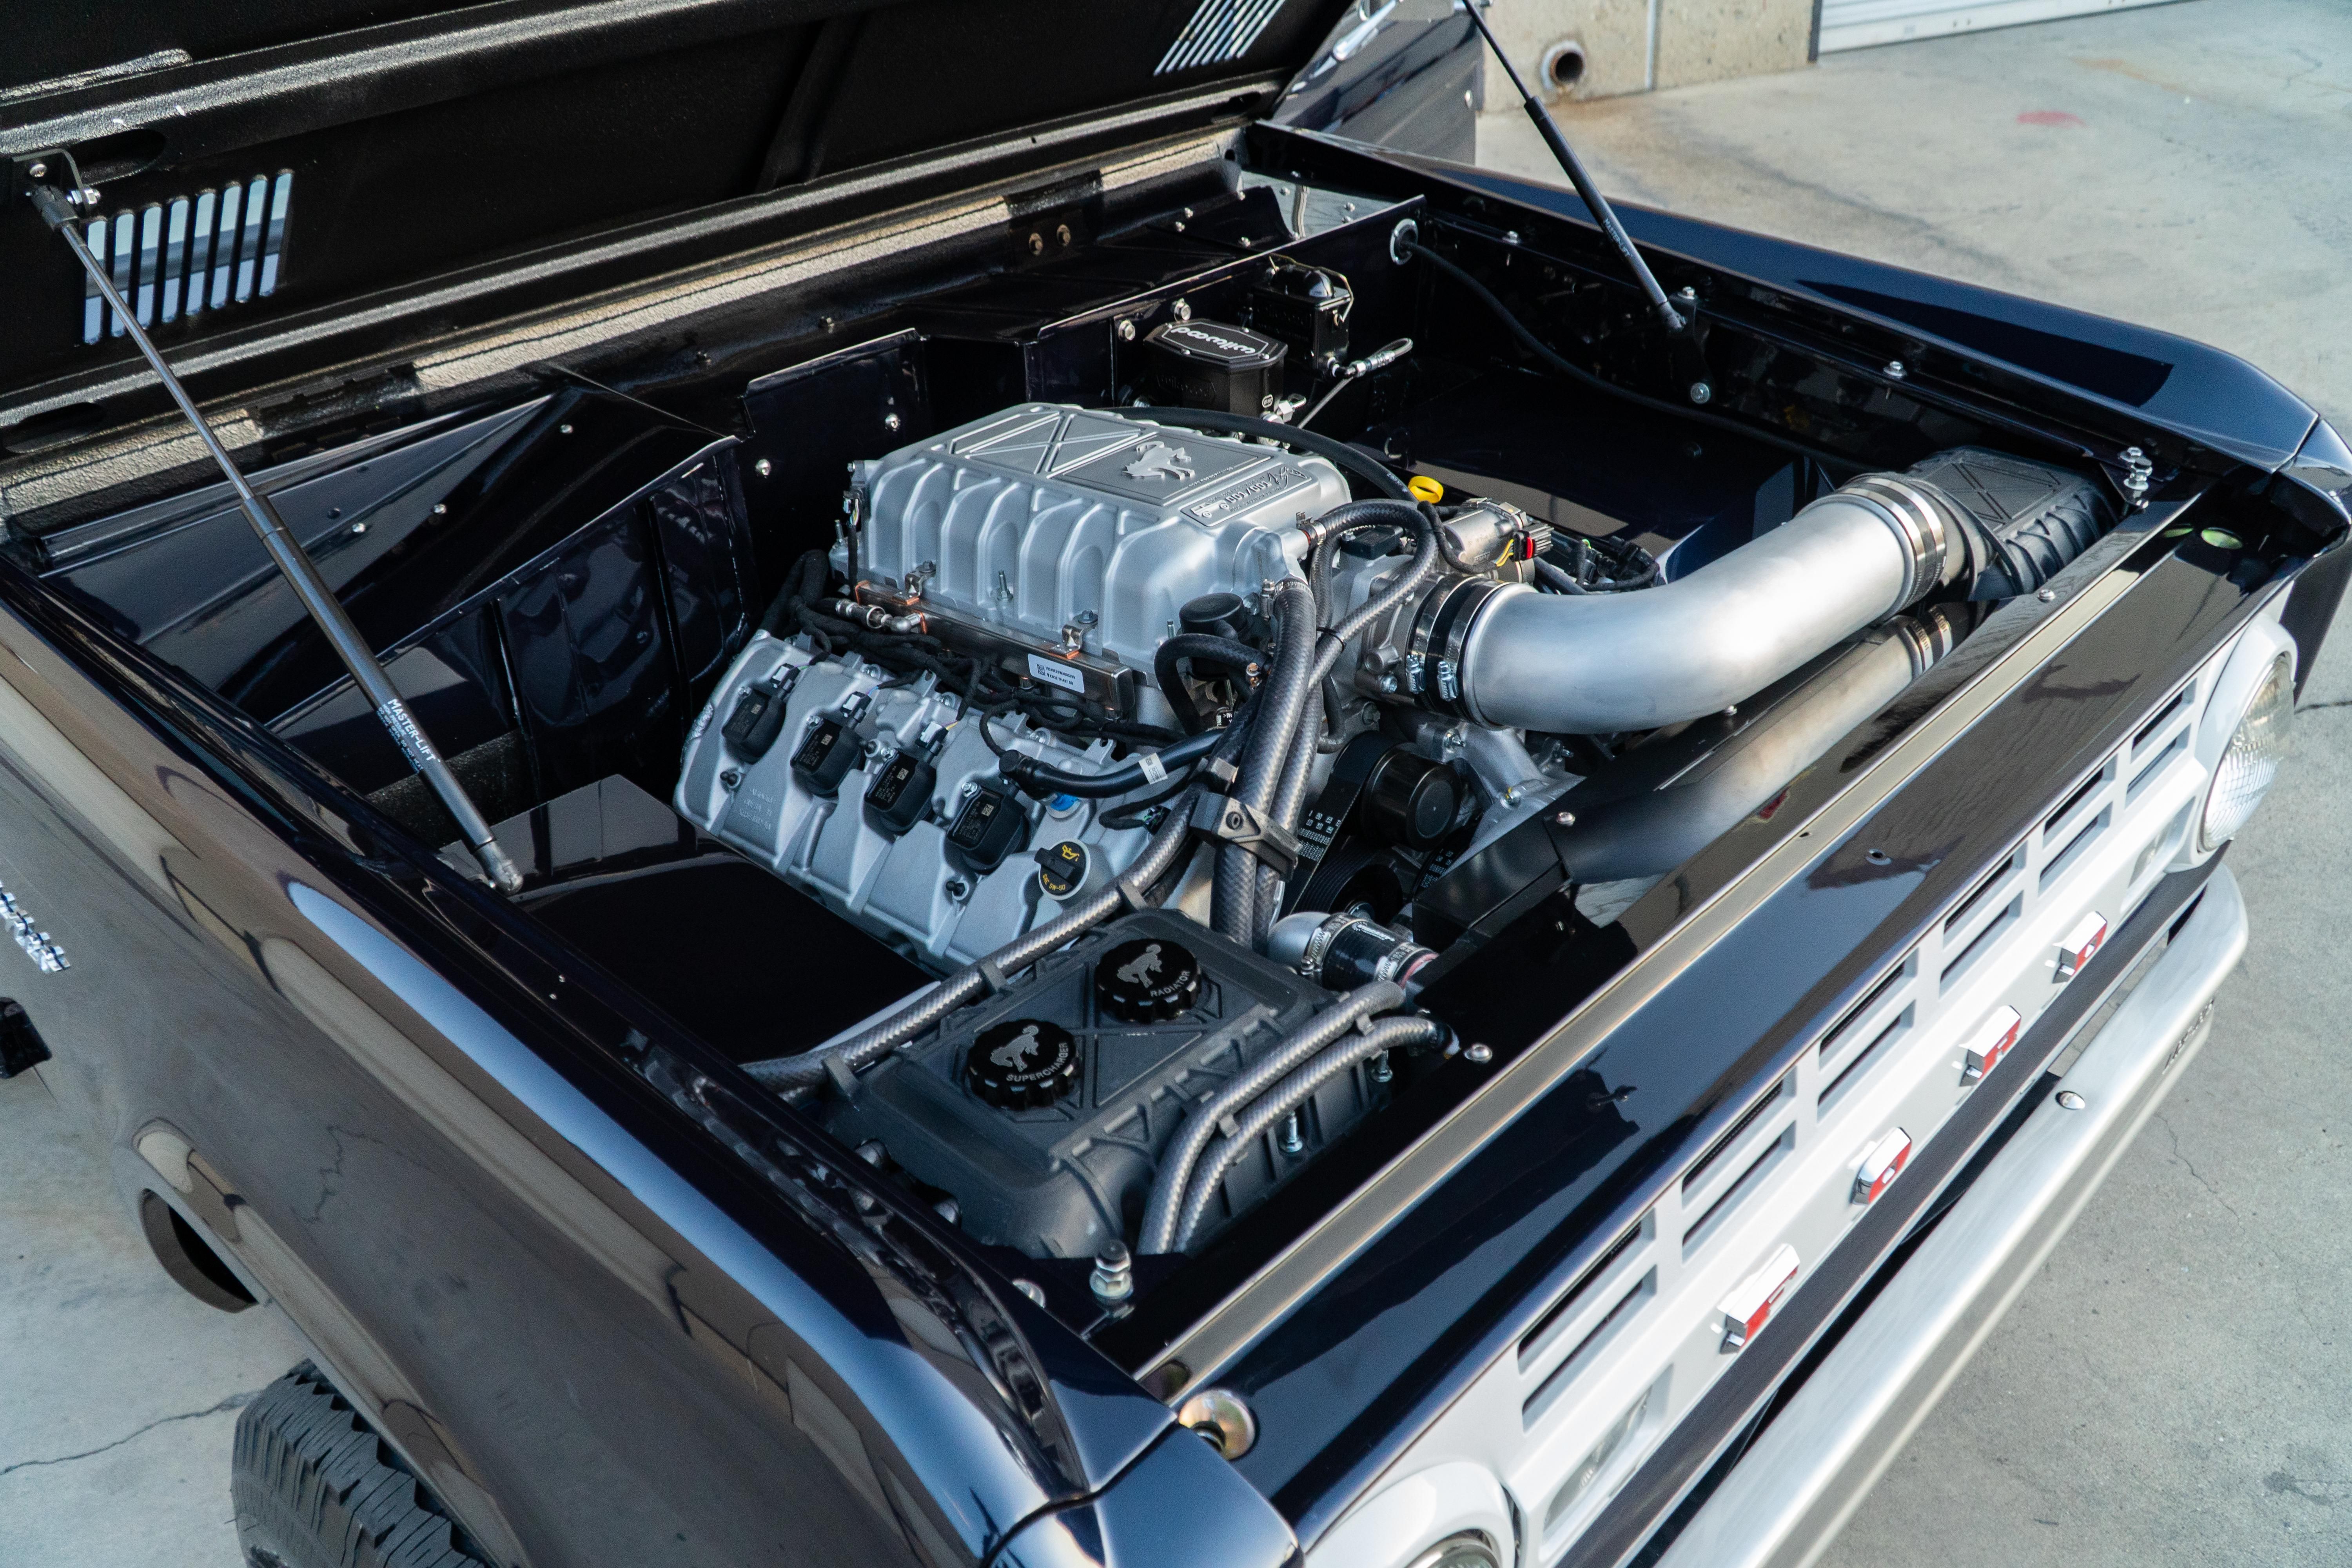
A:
2246	728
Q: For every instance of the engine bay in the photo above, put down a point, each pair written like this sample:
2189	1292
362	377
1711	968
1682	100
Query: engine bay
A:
1099	710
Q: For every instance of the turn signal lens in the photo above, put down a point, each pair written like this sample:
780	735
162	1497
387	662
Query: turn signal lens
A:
2252	760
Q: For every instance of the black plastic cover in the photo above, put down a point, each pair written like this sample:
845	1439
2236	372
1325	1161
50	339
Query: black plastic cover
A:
1060	1179
1209	364
897	796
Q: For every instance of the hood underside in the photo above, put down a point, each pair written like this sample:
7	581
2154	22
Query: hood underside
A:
266	159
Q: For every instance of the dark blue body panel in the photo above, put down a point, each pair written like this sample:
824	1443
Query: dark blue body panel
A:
616	1306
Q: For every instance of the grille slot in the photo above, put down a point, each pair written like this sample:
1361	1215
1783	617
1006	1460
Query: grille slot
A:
1548	1327
1611	1325
1848	1026
2057	864
1983	939
1723	1145
2065	815
1850	1074
172	260
1721	1209
2163	759
1985	887
2164	715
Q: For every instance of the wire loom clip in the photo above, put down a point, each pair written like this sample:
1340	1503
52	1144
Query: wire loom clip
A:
1247	828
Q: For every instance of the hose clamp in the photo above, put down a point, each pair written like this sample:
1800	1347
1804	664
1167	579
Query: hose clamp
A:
1922	523
1439	639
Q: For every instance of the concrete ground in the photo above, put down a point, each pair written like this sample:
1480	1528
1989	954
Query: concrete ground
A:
119	1391
2172	1388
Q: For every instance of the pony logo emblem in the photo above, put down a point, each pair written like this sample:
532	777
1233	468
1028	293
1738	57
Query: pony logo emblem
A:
1159	460
1014	1053
1139	970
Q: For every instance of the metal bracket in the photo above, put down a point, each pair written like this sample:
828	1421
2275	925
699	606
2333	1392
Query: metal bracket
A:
1247	828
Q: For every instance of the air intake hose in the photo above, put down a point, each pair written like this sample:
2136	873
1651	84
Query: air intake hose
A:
1507	656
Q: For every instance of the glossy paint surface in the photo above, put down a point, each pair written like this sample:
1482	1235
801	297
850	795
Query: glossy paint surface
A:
1464	1271
603	1320
615	1310
2209	397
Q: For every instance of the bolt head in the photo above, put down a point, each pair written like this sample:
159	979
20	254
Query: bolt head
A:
1182	310
1480	1054
563	429
2069	1101
763	468
441	508
891	421
2047	596
1126	331
1894	370
1701	391
1565	818
38	170
1220	1415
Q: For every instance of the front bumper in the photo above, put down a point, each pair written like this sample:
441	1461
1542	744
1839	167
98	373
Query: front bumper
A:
1807	1471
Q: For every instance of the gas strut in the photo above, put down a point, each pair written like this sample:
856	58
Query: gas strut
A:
300	573
1678	327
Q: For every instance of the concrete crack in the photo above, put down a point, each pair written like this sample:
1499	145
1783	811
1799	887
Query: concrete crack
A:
2189	1165
331	1177
233	1401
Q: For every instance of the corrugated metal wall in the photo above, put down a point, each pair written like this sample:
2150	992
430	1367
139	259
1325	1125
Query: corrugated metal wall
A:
1858	24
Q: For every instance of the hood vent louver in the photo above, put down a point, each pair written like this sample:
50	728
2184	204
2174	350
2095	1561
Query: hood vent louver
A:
174	260
1219	31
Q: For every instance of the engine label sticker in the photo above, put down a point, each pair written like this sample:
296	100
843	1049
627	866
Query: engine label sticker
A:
1248	493
1054	672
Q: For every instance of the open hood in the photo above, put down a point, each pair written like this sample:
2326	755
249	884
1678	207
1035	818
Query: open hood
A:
265	160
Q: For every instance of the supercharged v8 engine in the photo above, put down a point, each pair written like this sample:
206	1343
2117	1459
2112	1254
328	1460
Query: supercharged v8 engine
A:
1183	768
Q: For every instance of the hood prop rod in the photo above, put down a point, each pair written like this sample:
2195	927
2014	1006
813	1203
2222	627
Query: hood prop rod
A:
1681	323
301	573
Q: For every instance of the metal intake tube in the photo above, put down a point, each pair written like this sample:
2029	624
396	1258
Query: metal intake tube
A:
1650	834
1601	663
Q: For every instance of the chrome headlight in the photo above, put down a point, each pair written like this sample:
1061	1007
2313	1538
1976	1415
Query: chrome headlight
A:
2255	700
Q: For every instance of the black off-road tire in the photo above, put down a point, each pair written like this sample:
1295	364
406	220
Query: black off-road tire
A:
316	1488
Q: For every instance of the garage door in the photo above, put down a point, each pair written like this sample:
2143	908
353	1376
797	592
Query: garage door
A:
1858	24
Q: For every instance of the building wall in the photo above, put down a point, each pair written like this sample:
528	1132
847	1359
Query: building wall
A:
1633	46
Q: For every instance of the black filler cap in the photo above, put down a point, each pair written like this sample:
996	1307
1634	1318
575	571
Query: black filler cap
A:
1022	1064
1146	980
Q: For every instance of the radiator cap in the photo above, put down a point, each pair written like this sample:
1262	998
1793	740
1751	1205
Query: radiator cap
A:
1146	980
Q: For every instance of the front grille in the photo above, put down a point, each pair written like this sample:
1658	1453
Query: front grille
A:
175	260
1639	1335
